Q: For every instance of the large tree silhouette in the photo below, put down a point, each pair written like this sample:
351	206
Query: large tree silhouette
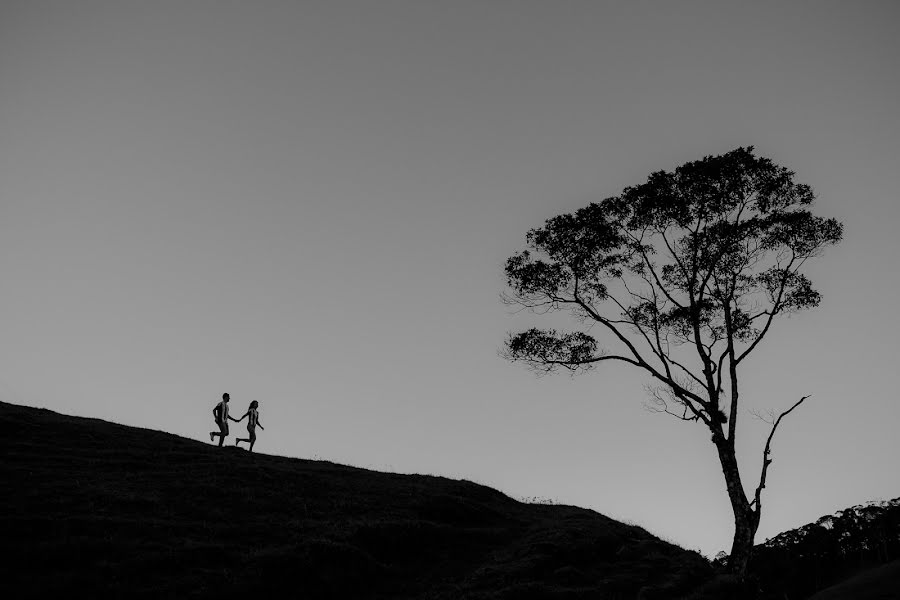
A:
683	277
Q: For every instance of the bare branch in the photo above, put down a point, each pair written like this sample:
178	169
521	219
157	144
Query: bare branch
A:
662	406
766	453
687	371
719	370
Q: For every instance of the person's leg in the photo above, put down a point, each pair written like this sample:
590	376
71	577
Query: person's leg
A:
247	439
252	439
223	433
212	435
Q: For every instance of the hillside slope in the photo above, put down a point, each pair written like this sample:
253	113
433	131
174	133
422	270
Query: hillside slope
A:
877	583
108	510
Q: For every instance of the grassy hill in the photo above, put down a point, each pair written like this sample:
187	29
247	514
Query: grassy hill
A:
877	583
105	510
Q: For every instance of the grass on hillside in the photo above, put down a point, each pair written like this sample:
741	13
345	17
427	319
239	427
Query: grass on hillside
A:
108	510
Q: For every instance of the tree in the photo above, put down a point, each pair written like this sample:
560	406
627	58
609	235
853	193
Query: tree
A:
684	275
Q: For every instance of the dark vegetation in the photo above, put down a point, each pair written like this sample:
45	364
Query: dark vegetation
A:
861	543
100	510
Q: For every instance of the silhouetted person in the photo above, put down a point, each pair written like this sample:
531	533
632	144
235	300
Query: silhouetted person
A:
253	413
220	414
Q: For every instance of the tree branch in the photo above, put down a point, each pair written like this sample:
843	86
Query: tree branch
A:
663	407
641	362
775	310
638	243
766	452
572	365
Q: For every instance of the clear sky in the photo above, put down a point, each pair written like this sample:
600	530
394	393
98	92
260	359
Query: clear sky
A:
310	204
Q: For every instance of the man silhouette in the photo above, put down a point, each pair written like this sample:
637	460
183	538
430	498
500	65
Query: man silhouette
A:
220	414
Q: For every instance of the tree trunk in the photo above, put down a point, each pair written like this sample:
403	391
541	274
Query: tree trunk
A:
746	522
746	519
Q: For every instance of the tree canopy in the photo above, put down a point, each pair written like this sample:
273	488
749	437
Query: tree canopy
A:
703	258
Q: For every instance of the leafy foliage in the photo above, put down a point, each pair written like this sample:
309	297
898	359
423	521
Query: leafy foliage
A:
569	350
705	255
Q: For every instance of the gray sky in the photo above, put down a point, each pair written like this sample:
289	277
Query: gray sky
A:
310	204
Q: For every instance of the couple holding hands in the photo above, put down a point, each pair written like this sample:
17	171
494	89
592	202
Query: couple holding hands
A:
220	413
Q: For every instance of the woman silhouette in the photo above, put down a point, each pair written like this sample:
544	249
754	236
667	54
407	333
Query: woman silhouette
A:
253	413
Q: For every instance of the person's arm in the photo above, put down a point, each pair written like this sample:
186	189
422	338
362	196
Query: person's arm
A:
260	424
239	420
